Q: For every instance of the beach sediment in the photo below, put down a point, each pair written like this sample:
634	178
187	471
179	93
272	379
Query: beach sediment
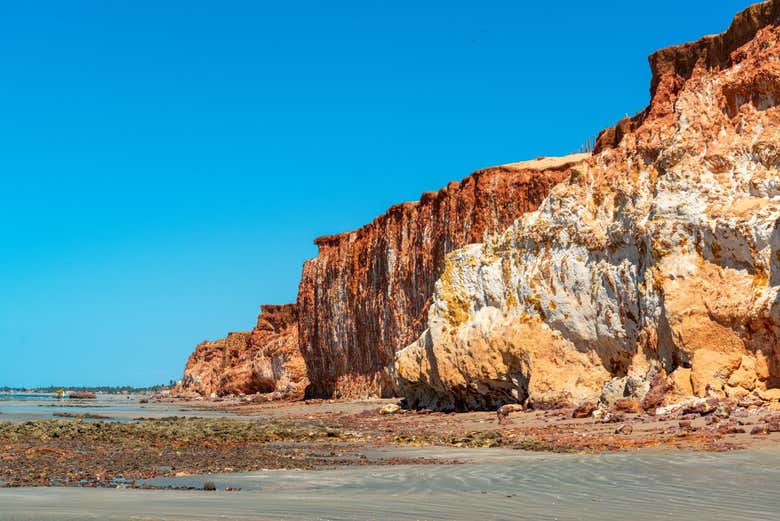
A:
326	433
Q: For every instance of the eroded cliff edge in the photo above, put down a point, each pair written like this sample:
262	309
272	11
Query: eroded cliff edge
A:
367	292
656	262
264	360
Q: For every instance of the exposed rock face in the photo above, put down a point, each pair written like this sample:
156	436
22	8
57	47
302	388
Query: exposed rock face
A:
367	292
264	360
660	252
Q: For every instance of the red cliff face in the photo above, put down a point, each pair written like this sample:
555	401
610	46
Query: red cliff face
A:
672	66
367	292
261	361
657	260
702	157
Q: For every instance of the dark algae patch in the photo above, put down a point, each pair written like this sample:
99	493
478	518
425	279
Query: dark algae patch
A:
111	454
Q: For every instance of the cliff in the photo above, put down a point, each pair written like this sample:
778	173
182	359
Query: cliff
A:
367	292
656	263
264	360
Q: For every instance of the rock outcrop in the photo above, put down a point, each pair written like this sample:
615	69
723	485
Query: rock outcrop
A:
367	292
263	360
658	255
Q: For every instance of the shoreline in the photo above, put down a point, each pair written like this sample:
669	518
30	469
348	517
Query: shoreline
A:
234	436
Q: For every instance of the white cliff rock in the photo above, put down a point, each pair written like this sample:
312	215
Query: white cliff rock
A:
661	251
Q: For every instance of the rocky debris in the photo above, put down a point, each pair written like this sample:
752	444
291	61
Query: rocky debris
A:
723	410
604	415
692	408
82	395
325	433
731	429
613	390
627	405
265	361
549	405
701	407
172	428
768	423
657	392
79	453
659	252
390	408
368	291
82	416
674	408
769	395
772	418
633	386
503	412
585	410
750	400
760	429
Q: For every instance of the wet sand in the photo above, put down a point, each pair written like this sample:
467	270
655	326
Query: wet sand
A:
239	437
492	484
345	460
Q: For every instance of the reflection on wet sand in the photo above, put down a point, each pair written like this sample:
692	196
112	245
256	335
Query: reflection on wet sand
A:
491	484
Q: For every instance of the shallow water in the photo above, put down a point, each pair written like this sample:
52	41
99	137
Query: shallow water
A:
30	407
493	484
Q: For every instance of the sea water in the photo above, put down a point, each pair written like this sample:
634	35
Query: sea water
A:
22	407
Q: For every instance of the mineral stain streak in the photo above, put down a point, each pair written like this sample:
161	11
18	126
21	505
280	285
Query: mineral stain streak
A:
367	292
647	271
659	255
264	360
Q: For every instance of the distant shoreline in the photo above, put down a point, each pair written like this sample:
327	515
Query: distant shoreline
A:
101	389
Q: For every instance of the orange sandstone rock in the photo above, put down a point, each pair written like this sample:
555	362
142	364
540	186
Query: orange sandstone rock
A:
367	292
660	251
264	360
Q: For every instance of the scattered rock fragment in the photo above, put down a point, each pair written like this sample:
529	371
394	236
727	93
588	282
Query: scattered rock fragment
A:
627	405
731	429
759	429
504	411
390	408
658	389
769	395
750	401
585	410
701	407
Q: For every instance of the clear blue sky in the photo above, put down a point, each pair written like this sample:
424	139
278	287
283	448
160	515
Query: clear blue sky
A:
165	166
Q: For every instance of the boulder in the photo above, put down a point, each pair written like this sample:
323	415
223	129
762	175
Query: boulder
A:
390	408
585	410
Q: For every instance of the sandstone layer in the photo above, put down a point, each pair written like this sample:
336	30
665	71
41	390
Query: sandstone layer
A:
656	262
263	360
367	292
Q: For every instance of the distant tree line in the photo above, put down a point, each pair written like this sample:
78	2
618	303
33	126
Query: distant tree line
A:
106	389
